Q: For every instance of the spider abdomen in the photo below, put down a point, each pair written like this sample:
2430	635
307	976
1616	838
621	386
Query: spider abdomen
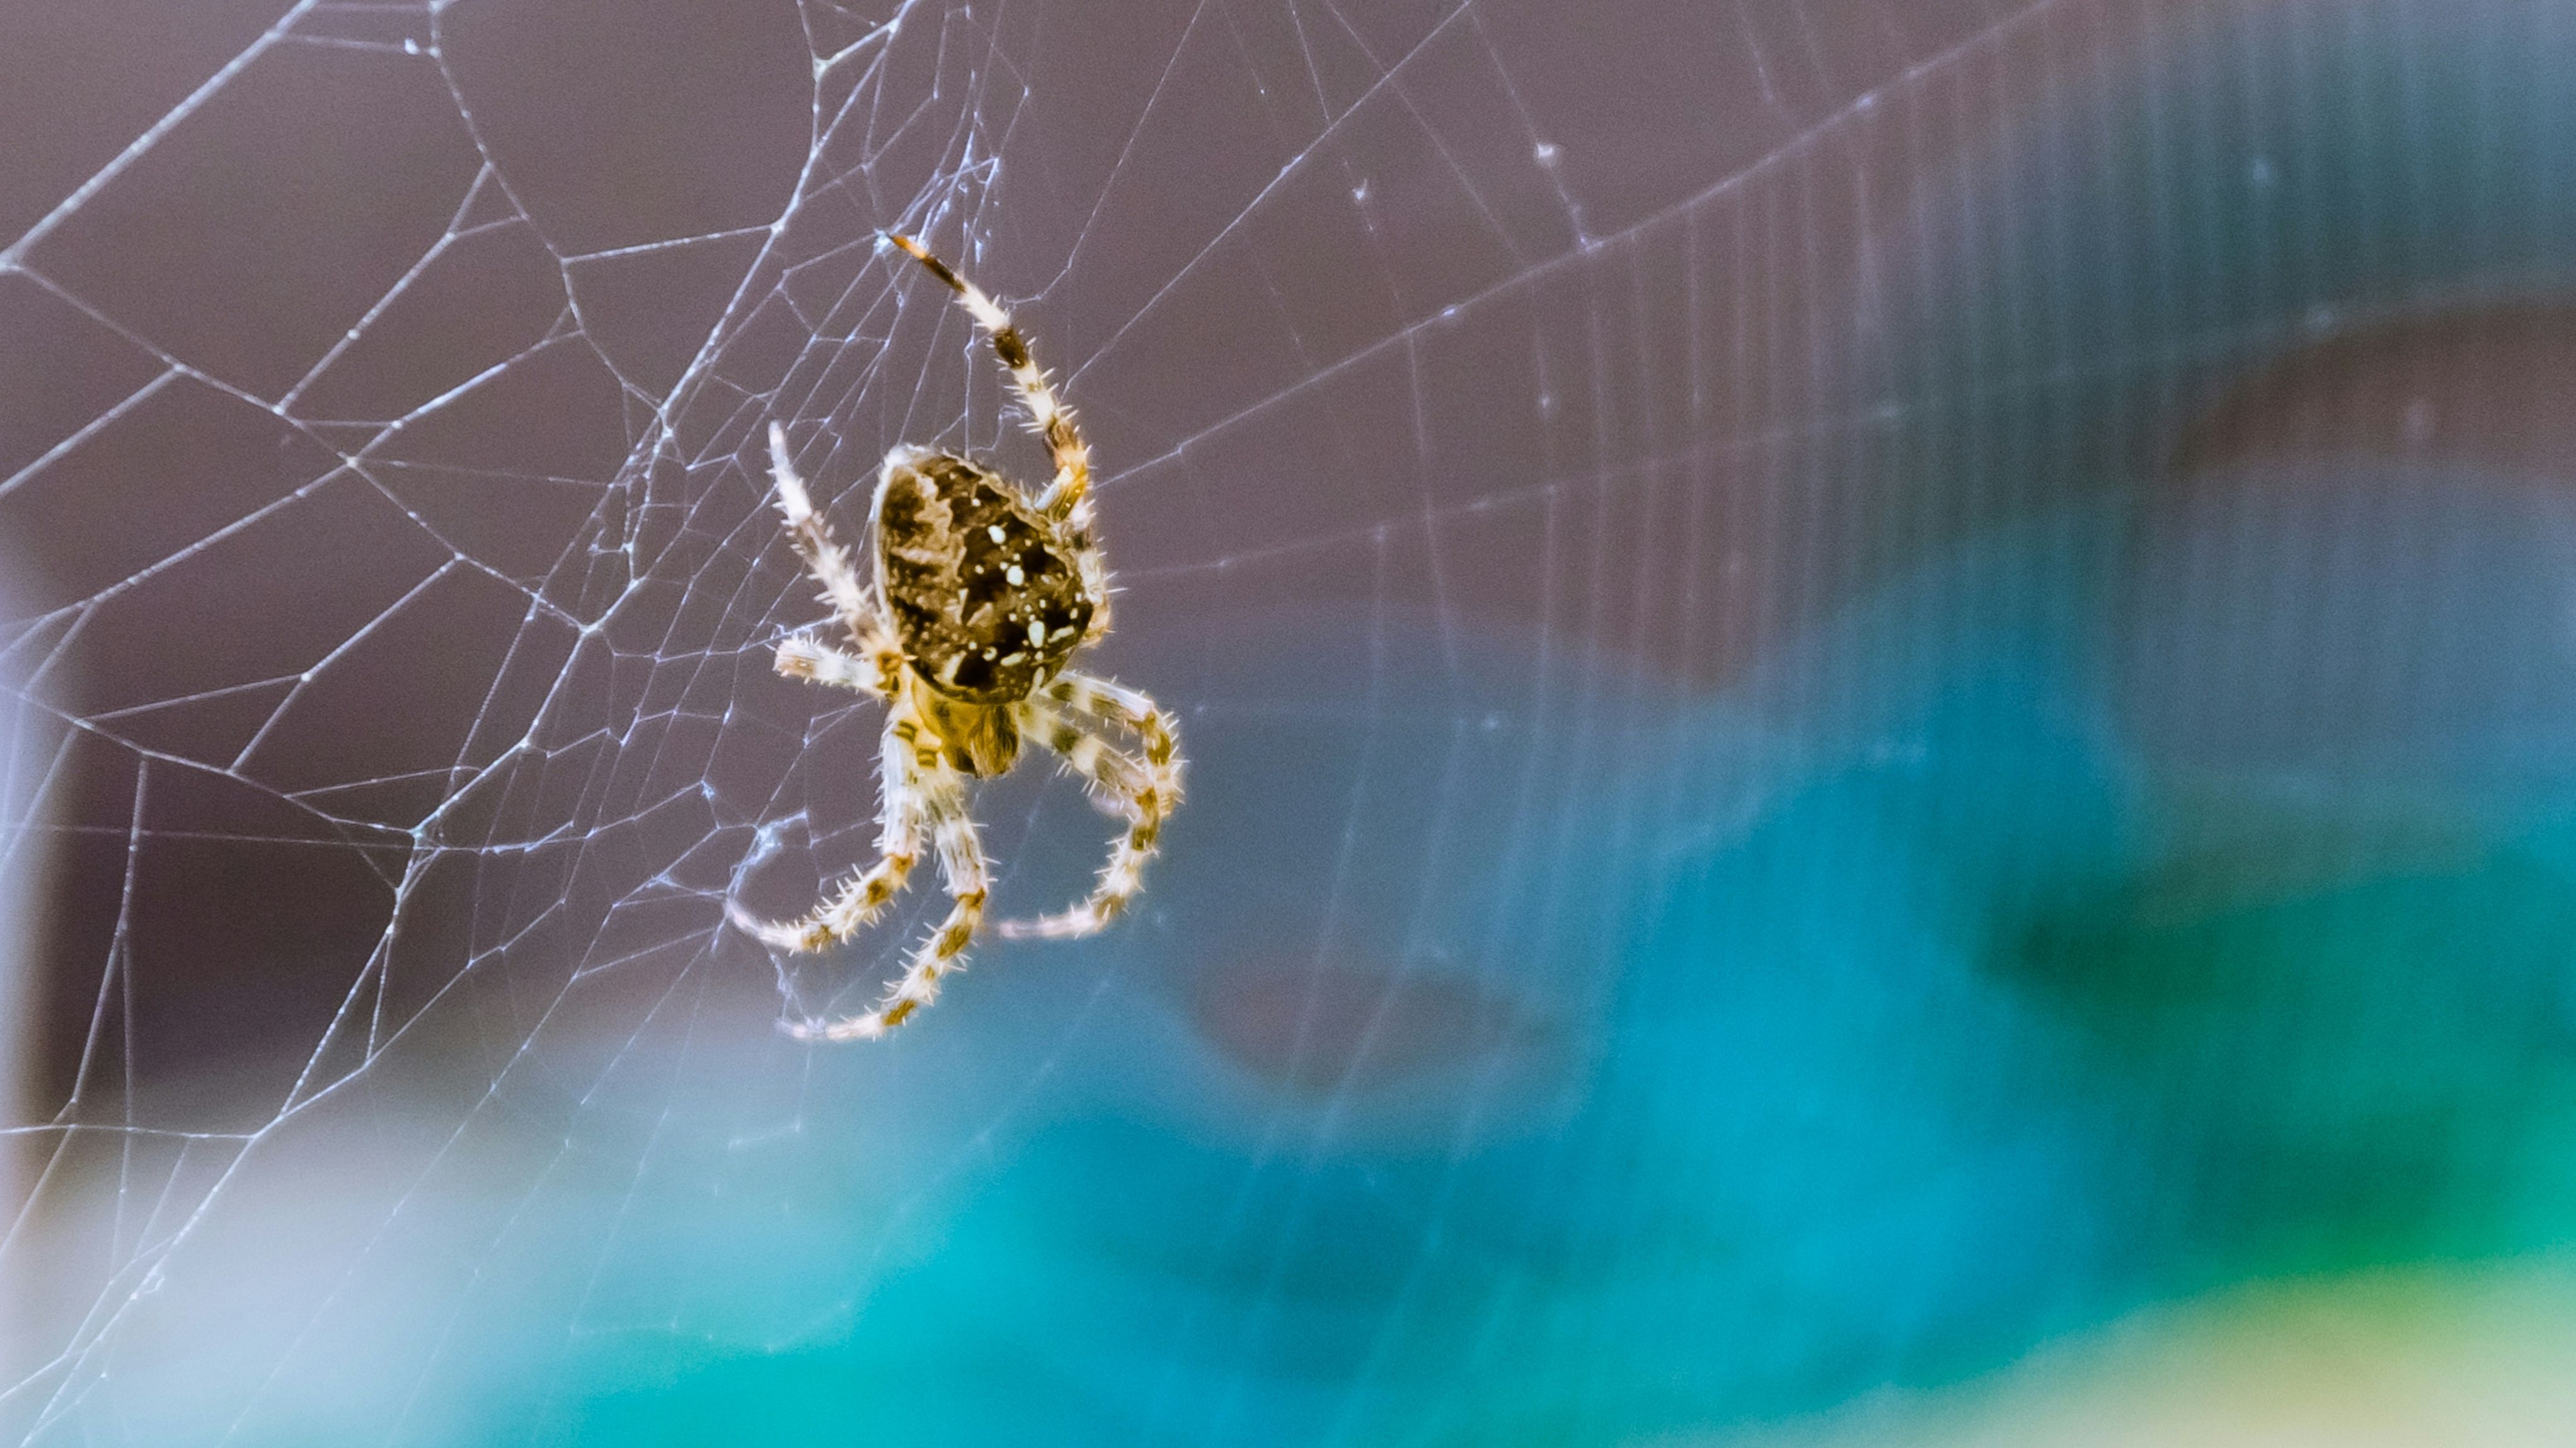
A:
983	590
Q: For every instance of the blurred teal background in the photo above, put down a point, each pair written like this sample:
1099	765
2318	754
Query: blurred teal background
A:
1869	1054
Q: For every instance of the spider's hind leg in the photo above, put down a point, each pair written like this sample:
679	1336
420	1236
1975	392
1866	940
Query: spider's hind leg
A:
969	879
1143	792
904	816
1111	702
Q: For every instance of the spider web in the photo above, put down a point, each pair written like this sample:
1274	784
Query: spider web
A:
1513	422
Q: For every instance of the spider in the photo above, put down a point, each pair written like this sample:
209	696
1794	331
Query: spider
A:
982	595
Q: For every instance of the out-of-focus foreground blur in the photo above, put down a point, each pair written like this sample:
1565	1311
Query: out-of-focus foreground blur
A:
1881	701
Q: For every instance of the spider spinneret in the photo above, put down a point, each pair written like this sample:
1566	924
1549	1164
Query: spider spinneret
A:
980	598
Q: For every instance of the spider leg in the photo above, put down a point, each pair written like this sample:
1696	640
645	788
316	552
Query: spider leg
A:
1119	783
905	758
1142	791
803	656
824	556
961	862
902	818
1094	697
1066	497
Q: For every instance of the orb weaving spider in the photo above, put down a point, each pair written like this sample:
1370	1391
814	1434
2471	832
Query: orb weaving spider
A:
982	595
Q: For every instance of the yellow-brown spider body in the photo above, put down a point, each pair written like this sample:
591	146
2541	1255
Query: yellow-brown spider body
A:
982	596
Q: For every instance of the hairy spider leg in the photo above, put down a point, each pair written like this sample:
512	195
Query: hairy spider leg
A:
969	881
1116	780
803	656
906	760
1142	791
824	556
1067	498
1094	697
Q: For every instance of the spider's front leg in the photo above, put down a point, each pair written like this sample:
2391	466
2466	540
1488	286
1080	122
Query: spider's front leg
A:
1053	420
874	668
824	556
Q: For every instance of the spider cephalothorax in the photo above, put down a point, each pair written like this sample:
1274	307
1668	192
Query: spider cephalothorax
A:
982	595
